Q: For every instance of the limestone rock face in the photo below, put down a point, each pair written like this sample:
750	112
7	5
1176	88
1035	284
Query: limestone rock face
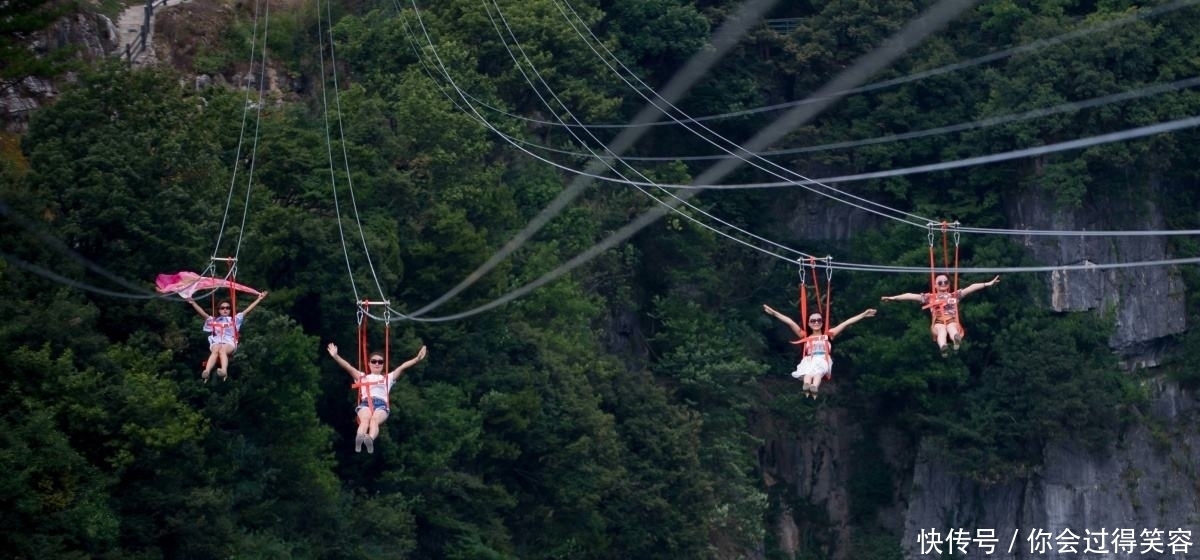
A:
817	466
1144	481
92	36
1147	302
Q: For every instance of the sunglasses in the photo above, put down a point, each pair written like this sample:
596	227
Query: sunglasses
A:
377	361
940	283
223	307
816	320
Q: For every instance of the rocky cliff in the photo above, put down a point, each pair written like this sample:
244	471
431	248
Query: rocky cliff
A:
1112	501
1148	303
1147	479
91	36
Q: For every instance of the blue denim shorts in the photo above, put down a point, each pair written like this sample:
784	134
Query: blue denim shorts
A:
376	401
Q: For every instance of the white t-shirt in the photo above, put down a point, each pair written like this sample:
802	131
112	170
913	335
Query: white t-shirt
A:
379	386
222	329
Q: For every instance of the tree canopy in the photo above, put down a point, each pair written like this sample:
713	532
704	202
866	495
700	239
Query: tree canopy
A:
616	412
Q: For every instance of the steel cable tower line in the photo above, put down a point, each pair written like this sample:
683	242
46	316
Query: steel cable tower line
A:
1119	97
528	62
253	148
1153	129
1083	266
699	222
1128	134
848	266
1119	136
345	160
1153	89
136	291
731	147
1142	14
1001	156
724	39
687	216
931	20
1015	154
1066	145
55	277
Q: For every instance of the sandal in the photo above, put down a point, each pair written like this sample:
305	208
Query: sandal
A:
224	376
204	376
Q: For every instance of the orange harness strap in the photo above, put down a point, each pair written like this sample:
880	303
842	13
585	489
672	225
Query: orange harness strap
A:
364	391
364	387
811	341
363	357
237	335
232	277
803	299
803	295
936	307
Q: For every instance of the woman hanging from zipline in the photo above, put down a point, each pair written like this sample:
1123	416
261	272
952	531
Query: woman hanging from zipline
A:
223	334
373	390
224	328
942	303
942	299
816	363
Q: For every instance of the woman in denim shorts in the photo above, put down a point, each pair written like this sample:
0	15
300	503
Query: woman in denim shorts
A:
373	389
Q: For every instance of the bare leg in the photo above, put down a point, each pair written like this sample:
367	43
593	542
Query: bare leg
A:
955	334
208	366
364	421
802	373
939	335
815	383
376	419
373	432
223	352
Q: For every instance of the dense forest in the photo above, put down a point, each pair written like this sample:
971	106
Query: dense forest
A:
617	410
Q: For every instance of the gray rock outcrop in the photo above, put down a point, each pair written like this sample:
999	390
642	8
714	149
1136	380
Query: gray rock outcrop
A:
91	35
1147	302
1144	481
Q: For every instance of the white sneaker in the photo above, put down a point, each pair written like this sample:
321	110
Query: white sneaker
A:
358	442
370	441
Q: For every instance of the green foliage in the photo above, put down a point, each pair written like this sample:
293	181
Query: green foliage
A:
55	502
871	483
700	357
876	546
114	161
1027	396
617	412
1183	369
656	35
18	20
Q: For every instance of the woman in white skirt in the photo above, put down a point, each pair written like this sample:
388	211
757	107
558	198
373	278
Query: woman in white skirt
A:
816	363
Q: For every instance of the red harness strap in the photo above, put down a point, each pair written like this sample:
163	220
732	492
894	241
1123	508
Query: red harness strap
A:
231	276
364	387
936	306
810	343
803	296
237	335
364	391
